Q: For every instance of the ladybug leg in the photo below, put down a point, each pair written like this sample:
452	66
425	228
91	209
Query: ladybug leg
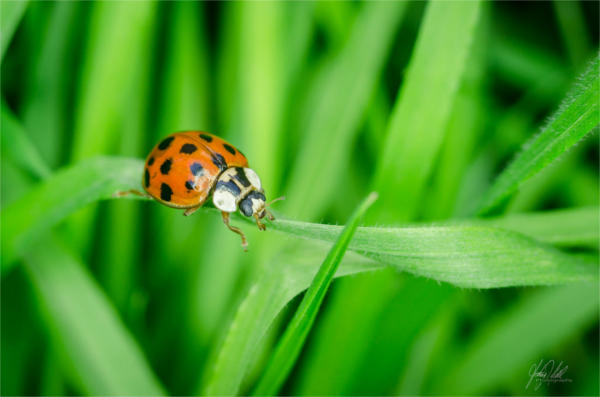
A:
129	192
261	226
270	216
190	211
234	229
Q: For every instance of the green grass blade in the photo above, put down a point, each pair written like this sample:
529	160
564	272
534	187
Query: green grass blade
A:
99	353
464	255
420	116
291	342
539	323
290	274
469	255
11	13
60	195
575	118
568	227
336	106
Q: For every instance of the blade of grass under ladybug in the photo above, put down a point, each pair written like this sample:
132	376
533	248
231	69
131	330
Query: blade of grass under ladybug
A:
465	255
97	353
11	13
290	344
576	117
425	250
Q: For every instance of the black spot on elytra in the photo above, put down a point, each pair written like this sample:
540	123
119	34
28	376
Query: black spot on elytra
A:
240	175
230	186
165	143
150	161
188	148
219	161
146	177
189	185
229	148
166	166
165	192
197	169
207	138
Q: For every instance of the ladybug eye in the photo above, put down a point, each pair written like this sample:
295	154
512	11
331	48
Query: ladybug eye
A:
253	178
246	207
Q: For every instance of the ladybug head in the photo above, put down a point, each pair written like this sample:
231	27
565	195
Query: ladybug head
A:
254	204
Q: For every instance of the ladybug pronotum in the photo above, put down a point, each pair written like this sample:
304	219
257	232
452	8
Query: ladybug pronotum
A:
185	168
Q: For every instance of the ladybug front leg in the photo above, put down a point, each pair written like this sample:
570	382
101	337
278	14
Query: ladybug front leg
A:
261	226
234	229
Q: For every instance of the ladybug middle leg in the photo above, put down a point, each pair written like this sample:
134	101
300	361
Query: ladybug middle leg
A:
234	229
191	210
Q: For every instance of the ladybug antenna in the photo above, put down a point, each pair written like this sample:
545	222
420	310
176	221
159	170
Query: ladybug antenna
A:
274	200
269	215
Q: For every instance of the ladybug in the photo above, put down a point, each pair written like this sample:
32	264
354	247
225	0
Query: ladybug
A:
186	168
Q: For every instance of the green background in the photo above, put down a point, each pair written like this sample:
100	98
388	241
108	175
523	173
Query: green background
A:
424	102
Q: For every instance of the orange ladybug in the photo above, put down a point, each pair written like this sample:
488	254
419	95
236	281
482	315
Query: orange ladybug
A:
185	168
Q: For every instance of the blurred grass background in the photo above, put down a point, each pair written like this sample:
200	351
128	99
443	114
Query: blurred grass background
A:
313	95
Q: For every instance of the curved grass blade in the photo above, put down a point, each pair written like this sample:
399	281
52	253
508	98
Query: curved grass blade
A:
286	278
468	256
291	342
577	115
60	195
96	350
